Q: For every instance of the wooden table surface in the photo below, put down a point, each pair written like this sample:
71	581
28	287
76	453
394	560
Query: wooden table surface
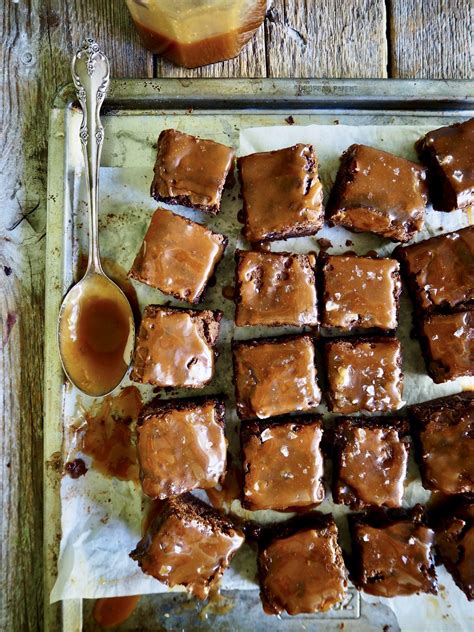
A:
300	38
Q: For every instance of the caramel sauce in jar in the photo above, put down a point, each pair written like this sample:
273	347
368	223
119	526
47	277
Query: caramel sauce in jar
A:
194	33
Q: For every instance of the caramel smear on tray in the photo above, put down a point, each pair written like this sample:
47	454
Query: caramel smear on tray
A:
229	490
108	433
112	611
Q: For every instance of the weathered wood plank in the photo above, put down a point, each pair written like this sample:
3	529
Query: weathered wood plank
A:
38	38
431	39
326	39
250	63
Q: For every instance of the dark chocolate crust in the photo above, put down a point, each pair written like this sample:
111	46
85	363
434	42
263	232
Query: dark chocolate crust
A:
350	497
335	207
159	406
210	323
380	519
323	259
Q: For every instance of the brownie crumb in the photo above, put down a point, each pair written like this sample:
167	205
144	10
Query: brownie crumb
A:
290	120
7	270
75	468
349	243
324	243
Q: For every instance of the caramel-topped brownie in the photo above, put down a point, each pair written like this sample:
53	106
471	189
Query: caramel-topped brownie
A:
188	544
447	342
359	292
275	376
370	461
393	553
175	347
364	374
448	154
282	194
379	193
455	542
440	271
275	288
301	568
282	463
181	445
443	430
178	256
190	171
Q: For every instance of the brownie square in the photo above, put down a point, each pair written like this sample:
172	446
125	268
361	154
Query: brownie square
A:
447	342
282	463
175	347
364	374
188	544
370	462
275	288
301	568
393	553
181	445
443	430
378	193
275	376
455	543
440	271
360	292
282	194
178	256
447	152
190	171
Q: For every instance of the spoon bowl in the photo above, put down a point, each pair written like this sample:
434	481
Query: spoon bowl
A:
96	327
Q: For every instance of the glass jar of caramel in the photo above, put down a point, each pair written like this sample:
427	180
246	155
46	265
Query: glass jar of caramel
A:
194	33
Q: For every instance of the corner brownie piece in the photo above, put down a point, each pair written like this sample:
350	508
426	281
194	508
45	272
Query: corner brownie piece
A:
455	543
282	463
379	193
282	194
447	342
275	376
175	347
275	288
301	569
364	374
188	544
370	462
178	256
447	152
443	430
440	271
190	171
393	553
181	445
360	292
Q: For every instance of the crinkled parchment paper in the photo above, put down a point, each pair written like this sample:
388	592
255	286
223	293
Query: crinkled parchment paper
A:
101	517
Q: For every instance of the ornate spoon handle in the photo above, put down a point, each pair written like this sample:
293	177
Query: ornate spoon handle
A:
90	73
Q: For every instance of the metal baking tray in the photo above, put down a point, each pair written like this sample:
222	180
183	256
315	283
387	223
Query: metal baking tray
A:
236	102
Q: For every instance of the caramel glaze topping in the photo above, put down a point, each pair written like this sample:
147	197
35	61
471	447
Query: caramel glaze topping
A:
303	573
360	292
371	465
449	340
181	449
282	193
452	150
172	349
275	289
177	256
364	375
187	550
275	377
283	467
381	193
396	558
189	167
447	448
441	269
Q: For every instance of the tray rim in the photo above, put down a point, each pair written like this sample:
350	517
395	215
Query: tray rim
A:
434	96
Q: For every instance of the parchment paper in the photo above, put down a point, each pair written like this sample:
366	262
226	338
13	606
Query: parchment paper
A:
101	517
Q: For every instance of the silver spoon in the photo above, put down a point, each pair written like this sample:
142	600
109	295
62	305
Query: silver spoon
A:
96	327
